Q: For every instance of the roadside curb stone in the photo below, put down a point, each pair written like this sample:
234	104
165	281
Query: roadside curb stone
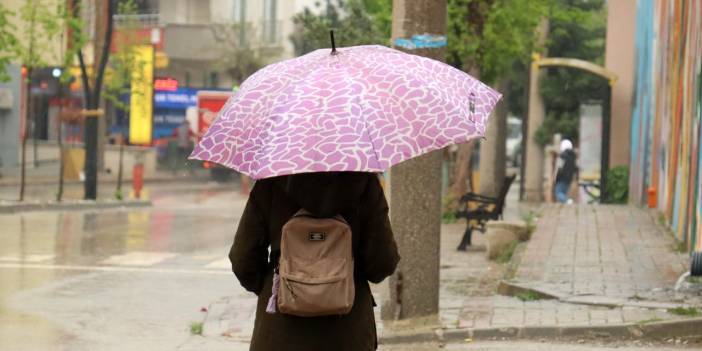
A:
654	330
16	207
508	288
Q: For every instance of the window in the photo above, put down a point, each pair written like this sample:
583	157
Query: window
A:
239	17
270	21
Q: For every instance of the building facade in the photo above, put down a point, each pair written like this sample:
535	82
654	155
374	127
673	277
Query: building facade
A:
666	145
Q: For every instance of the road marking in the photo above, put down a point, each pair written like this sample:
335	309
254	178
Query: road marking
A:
26	258
221	264
138	258
112	268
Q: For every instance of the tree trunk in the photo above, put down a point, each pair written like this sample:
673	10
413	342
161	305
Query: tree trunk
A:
415	195
462	181
93	102
493	148
62	165
25	132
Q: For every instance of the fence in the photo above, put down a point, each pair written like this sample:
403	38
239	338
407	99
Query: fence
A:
666	150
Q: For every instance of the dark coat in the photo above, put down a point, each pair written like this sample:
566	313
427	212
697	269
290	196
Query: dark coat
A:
359	198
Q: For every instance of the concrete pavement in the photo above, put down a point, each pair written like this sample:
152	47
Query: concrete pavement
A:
564	241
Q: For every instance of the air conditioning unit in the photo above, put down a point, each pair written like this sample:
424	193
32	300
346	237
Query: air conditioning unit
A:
6	98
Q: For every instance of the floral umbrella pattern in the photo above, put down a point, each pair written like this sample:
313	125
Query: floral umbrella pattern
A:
364	108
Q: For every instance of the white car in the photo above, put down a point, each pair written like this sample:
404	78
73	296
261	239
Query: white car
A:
514	141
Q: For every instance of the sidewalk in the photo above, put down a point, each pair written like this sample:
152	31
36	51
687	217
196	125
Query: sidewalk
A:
599	254
42	185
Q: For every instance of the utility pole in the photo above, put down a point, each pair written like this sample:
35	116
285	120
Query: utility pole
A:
415	190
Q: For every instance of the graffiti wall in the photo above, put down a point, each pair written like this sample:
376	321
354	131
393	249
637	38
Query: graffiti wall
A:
666	152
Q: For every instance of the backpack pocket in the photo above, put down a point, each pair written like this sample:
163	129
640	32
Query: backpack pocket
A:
316	288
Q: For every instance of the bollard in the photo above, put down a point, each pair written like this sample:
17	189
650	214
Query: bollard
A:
138	179
696	264
652	199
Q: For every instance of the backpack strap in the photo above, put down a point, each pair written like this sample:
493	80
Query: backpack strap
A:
304	213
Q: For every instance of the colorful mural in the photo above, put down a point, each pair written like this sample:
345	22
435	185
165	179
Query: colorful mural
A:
666	152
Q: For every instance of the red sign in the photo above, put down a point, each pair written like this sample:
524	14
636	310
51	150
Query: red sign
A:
165	84
208	105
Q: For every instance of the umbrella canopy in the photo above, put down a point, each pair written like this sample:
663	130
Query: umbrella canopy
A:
363	108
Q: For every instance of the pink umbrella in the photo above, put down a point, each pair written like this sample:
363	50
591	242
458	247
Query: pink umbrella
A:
362	108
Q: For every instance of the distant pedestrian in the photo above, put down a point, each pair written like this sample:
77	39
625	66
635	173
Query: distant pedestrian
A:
359	200
184	139
566	169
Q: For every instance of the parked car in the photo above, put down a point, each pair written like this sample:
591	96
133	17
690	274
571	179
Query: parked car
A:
514	141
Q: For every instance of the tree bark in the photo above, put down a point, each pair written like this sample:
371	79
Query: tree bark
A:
493	148
93	103
415	195
462	181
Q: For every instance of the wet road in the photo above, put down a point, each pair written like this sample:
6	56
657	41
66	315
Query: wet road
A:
117	279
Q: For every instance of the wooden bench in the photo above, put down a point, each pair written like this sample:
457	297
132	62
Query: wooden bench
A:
478	209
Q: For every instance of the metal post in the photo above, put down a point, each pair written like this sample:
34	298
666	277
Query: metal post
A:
606	126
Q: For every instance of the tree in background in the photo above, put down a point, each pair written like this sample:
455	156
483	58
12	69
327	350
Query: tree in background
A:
577	30
41	23
92	88
490	40
237	58
354	22
7	41
122	70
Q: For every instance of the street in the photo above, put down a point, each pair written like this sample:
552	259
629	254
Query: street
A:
119	279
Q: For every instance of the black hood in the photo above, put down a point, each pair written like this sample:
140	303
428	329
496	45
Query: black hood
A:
326	193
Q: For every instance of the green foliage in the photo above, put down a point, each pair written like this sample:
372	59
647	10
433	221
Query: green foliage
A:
680	246
123	62
684	311
196	328
42	25
355	22
618	185
7	41
567	124
448	217
530	219
507	253
577	30
490	36
528	295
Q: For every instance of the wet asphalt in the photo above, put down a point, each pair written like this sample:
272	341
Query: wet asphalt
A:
117	279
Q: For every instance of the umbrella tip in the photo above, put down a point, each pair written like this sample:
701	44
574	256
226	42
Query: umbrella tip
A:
333	44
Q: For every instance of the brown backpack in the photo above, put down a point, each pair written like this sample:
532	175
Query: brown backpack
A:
315	267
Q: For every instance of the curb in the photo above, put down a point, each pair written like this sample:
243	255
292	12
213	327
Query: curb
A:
654	330
513	289
72	206
107	181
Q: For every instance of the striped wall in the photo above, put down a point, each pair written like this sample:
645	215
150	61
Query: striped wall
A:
666	152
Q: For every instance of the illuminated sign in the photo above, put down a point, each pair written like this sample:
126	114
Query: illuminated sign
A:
166	84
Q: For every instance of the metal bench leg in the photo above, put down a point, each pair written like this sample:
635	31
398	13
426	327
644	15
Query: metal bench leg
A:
466	241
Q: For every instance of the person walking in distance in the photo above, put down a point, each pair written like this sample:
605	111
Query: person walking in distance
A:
565	171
